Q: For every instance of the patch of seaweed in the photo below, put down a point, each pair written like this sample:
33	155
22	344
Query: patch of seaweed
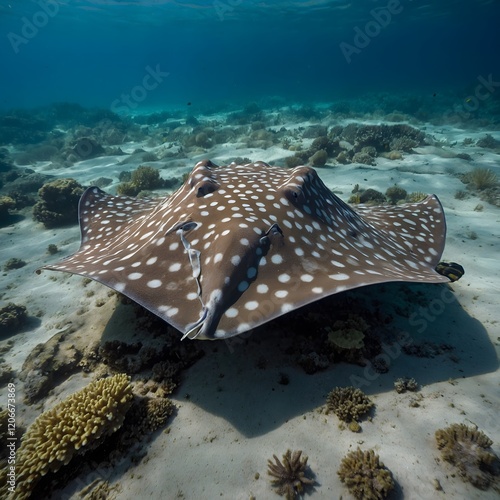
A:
480	178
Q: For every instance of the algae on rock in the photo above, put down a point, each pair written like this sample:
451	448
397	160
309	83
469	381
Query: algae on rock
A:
12	318
59	203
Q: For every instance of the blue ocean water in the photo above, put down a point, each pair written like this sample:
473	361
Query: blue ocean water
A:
244	80
216	52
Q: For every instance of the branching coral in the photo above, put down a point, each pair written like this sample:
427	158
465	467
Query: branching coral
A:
383	137
395	194
403	144
143	178
289	476
149	414
348	403
294	161
72	427
146	178
364	158
365	475
371	196
468	449
405	384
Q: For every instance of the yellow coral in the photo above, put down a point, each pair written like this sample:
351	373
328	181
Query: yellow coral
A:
469	450
365	475
77	423
348	403
149	414
416	196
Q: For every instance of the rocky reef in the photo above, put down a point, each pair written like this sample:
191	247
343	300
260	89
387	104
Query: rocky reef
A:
59	203
12	318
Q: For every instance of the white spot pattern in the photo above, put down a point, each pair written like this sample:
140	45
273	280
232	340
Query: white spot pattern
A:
322	246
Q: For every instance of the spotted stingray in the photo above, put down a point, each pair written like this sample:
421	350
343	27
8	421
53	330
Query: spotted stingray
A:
239	245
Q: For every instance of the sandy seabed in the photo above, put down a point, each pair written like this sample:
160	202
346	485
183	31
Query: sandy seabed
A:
233	414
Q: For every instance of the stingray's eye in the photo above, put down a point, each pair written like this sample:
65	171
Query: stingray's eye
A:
205	187
294	194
